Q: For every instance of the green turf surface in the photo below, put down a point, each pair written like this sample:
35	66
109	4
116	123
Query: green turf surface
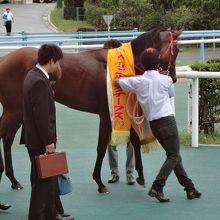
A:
124	202
77	134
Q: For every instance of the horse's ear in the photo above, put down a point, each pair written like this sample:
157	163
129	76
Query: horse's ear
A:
176	34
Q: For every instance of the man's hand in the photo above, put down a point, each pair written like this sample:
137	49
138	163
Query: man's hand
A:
50	148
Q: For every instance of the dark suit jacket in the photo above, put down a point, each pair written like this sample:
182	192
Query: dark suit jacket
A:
39	111
39	130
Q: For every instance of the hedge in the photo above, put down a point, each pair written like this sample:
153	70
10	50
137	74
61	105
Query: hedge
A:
209	96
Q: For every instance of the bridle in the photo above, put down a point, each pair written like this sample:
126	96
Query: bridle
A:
169	50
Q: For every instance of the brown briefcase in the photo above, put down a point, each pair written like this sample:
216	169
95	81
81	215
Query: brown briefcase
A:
49	165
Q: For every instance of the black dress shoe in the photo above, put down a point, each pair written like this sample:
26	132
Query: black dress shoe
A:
4	206
60	217
192	193
158	195
114	178
65	214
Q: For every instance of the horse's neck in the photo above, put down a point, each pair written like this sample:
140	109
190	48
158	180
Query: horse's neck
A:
138	46
149	39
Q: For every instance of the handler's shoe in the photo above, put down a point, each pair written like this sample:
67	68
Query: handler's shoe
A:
130	179
158	195
192	193
114	178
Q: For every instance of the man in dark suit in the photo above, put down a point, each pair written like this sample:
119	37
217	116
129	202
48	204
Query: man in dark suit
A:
40	131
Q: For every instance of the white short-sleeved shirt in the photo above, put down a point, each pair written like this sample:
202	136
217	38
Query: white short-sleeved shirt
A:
153	92
9	16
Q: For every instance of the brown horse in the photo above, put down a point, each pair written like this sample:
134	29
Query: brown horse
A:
82	87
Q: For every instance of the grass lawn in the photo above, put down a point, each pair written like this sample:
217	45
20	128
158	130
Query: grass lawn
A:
56	18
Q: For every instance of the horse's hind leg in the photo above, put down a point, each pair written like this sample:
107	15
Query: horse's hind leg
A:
138	161
104	134
9	124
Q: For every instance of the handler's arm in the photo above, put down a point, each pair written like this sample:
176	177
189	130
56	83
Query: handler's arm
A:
127	83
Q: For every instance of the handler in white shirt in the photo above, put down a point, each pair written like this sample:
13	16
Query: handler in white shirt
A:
153	92
8	18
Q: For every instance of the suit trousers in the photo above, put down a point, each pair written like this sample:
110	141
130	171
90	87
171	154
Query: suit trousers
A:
8	26
43	204
113	159
165	130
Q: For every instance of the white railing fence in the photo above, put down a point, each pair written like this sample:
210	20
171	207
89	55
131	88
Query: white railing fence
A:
186	72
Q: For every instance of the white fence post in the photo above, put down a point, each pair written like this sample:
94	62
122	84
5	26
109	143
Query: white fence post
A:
195	112
189	106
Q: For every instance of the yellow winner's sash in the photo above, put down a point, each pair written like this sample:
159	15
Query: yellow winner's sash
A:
120	64
121	104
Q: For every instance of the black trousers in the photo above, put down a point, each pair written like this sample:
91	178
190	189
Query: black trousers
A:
8	26
165	130
45	202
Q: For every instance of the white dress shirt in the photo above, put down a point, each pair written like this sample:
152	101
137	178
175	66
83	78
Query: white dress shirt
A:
9	15
43	70
153	92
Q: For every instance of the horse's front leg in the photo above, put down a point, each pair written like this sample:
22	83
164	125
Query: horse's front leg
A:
104	134
138	161
9	124
1	165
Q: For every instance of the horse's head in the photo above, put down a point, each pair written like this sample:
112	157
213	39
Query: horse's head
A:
168	52
165	41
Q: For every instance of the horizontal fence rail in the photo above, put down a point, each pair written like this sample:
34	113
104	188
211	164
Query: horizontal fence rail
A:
131	34
96	46
79	40
63	38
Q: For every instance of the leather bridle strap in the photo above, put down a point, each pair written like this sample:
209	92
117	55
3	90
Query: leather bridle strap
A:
169	50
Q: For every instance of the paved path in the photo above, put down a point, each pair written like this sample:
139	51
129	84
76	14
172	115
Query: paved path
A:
31	18
194	55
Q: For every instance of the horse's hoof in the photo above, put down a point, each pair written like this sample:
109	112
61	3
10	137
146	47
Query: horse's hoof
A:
17	186
103	190
140	181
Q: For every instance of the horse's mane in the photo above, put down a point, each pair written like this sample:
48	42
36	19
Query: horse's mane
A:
151	37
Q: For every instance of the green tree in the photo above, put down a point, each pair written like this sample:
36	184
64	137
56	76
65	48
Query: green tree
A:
205	12
146	14
126	16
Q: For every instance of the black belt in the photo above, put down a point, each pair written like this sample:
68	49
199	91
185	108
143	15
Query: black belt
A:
164	119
